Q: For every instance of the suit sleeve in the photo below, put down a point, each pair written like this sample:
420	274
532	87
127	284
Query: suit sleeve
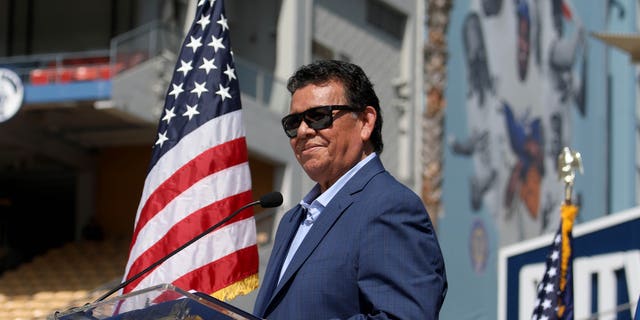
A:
401	273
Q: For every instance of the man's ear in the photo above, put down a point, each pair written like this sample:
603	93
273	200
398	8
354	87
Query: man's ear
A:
369	116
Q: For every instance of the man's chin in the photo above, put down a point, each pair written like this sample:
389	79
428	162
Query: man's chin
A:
314	170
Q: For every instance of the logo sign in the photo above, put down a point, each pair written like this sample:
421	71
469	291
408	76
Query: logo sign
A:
11	94
606	269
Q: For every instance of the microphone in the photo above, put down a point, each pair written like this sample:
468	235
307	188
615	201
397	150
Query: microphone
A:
270	200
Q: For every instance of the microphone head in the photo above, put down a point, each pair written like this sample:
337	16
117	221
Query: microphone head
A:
271	200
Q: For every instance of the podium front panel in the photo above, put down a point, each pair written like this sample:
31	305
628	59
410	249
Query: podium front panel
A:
165	302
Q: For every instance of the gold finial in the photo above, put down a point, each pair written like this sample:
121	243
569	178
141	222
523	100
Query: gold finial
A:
568	161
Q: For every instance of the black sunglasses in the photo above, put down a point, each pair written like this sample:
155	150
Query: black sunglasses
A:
317	118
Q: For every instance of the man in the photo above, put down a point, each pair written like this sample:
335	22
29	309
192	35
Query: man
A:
360	244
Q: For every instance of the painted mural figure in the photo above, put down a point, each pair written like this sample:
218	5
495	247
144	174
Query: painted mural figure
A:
526	138
478	75
518	114
524	34
481	90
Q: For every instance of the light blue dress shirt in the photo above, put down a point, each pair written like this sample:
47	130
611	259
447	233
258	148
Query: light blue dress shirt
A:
318	203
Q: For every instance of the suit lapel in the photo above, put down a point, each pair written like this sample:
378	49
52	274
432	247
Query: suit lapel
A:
313	238
287	230
336	207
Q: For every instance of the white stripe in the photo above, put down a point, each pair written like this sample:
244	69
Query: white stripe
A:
213	133
220	243
213	188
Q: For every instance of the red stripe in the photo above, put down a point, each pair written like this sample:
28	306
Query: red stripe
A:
223	272
566	11
213	160
187	229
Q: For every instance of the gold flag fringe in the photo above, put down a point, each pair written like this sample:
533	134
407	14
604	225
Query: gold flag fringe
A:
241	287
568	214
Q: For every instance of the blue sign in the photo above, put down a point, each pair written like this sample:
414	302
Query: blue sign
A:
606	269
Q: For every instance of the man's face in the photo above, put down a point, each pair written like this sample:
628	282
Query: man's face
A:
327	154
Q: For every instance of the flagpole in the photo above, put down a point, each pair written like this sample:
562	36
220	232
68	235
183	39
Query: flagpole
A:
555	291
568	162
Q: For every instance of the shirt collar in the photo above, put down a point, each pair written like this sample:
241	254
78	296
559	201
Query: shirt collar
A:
315	199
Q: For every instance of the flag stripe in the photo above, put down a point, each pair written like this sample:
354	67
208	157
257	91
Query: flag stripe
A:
215	281
216	271
213	160
211	247
566	11
217	131
219	187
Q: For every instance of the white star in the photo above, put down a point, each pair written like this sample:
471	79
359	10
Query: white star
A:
546	304
230	72
216	43
552	272
176	90
557	239
191	111
223	22
549	288
207	65
199	89
168	114
204	21
195	43
223	92
162	137
555	255
185	67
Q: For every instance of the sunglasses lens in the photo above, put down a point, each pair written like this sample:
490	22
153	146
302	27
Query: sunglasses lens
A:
291	123
318	118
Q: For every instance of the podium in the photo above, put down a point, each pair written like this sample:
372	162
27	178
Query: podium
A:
165	301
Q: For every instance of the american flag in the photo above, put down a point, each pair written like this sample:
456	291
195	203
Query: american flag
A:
199	174
555	291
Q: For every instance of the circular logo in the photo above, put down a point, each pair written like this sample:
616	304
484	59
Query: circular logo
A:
478	246
11	94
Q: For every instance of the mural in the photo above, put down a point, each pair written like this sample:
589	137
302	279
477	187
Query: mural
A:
525	73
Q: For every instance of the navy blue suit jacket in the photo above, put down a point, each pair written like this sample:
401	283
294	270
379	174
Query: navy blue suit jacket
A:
371	254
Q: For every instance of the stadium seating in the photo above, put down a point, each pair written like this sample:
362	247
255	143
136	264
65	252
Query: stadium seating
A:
69	276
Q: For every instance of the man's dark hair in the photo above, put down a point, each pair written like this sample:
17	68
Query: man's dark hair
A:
358	89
